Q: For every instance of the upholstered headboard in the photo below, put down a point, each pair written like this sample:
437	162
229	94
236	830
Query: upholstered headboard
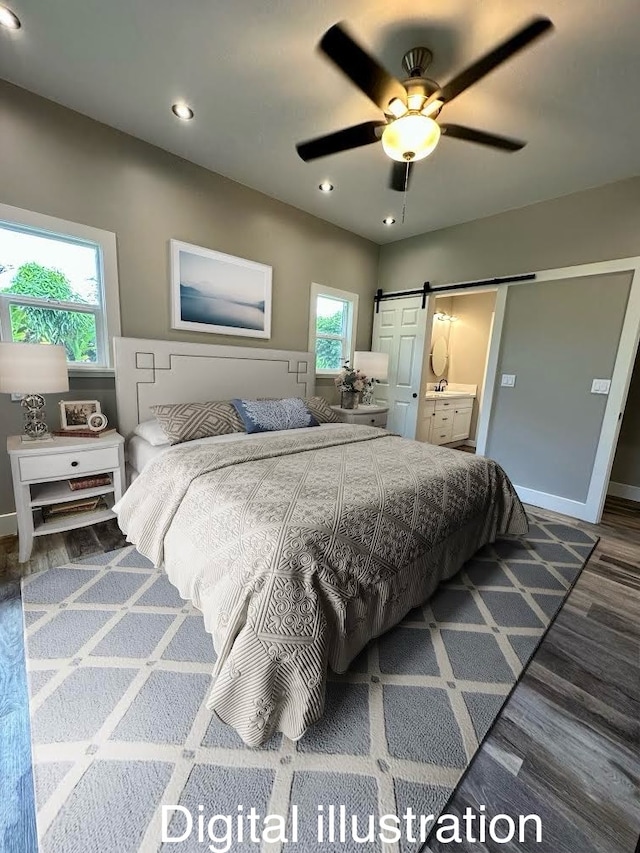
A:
150	372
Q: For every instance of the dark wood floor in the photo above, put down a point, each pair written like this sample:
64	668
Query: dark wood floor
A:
58	549
567	745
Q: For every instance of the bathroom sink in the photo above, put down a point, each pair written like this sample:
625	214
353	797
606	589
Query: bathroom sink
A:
435	395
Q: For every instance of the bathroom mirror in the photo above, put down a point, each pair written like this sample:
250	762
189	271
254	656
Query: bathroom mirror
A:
439	356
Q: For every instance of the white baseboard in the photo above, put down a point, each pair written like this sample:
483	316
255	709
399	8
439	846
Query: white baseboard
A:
622	490
8	524
555	503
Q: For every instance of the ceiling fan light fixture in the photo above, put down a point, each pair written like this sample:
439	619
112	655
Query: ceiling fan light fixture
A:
412	137
415	101
432	108
397	108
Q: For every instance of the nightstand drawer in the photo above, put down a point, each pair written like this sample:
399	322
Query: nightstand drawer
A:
364	415
42	467
379	420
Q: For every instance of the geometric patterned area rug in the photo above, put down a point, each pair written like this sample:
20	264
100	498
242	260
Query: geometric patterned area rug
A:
119	670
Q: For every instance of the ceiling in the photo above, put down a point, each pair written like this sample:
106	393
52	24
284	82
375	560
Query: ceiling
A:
250	71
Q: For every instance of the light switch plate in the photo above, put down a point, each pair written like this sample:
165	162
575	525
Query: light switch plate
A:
508	380
600	386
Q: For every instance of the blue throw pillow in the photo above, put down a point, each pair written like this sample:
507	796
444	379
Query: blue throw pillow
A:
269	415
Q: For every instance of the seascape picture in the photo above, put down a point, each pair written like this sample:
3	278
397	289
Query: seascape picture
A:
218	293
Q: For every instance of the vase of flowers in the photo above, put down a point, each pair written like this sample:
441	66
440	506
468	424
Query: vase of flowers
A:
350	399
350	383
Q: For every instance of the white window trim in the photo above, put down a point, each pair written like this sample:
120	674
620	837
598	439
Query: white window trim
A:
332	292
106	240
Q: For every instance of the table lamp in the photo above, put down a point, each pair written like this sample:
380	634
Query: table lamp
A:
33	370
374	365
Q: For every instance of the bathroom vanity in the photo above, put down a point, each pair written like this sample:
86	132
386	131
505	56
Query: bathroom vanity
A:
446	415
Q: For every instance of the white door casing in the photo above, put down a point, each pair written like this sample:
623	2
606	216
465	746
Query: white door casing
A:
399	329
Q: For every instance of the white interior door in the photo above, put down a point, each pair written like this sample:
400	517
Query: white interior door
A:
399	329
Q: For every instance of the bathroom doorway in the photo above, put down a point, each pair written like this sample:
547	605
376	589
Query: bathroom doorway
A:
456	358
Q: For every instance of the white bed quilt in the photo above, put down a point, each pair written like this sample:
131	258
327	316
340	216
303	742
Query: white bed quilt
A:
300	549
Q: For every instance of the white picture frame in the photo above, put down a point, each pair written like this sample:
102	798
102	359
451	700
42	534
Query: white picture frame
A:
218	293
74	413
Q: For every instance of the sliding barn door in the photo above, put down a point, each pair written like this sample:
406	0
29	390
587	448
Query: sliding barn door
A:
552	431
399	330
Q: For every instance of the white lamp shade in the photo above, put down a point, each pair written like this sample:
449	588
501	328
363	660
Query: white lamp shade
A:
375	365
33	369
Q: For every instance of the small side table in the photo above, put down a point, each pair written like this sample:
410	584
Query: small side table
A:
41	472
365	415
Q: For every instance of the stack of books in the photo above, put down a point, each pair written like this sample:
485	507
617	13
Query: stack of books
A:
83	433
72	508
89	482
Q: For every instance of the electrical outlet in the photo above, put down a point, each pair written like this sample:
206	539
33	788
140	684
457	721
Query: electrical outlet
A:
600	386
508	380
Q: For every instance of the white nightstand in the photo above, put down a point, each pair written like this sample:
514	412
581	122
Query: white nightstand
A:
41	471
366	415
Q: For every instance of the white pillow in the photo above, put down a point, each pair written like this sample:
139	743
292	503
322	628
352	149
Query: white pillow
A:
152	432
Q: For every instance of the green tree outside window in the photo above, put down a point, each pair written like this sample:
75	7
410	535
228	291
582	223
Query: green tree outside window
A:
328	351
75	330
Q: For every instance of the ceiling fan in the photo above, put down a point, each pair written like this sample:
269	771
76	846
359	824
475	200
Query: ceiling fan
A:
409	131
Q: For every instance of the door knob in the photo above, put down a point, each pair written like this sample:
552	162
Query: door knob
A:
414	396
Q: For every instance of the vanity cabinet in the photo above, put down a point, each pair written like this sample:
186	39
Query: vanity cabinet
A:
462	421
447	419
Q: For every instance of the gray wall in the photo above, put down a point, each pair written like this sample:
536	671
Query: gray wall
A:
558	337
58	162
594	225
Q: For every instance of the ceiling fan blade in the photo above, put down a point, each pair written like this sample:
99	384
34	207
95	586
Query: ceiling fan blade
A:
367	74
341	140
491	60
457	131
398	176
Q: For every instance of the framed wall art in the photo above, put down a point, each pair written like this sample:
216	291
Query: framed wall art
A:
218	293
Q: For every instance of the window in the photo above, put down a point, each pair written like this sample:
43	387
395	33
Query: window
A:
332	327
58	285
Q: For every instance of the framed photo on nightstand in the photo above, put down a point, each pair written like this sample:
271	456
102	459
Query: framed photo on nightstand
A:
74	414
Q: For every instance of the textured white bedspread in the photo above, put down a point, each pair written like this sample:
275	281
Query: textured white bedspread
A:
300	549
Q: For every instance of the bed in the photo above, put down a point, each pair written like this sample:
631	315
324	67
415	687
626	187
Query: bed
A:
298	547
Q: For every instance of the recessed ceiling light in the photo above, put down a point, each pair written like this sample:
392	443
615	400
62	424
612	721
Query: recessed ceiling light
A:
8	19
182	111
388	220
325	187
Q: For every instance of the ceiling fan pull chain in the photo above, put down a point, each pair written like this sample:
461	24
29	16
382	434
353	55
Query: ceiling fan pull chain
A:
406	187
